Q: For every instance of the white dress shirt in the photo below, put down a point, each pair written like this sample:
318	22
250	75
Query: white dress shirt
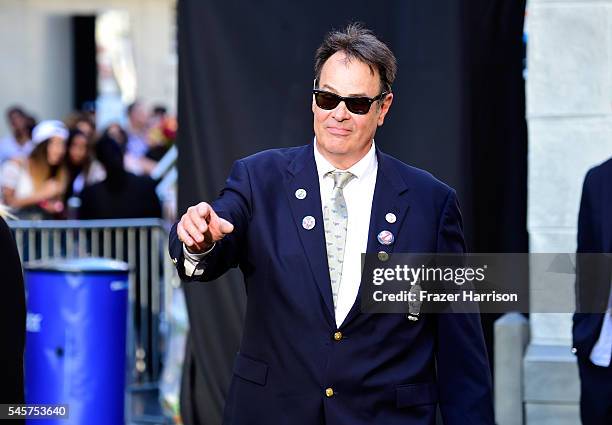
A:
358	195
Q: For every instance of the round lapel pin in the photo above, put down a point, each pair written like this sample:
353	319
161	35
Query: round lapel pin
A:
300	193
308	222
383	256
385	237
391	218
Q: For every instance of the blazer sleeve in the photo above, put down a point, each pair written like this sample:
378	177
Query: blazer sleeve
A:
589	237
592	285
464	377
233	204
588	243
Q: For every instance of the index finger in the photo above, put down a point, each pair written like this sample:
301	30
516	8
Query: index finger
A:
203	210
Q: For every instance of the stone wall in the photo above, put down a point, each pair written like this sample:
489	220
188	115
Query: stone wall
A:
569	112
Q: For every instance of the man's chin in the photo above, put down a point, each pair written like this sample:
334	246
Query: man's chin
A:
336	150
336	144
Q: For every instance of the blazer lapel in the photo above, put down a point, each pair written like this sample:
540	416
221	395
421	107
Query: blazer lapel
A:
388	211
388	199
302	175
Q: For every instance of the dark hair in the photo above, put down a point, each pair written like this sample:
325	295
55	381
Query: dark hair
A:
110	155
30	123
16	110
73	134
118	134
160	110
360	43
131	107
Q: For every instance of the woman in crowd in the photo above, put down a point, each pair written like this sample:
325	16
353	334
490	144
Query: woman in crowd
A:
80	120
34	188
83	169
12	318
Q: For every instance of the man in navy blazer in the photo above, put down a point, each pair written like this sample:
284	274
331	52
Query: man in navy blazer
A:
309	356
592	332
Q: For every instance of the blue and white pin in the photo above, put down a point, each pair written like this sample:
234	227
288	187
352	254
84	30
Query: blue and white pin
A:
300	193
308	222
386	237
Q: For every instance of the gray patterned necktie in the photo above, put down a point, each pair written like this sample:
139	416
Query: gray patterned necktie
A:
335	218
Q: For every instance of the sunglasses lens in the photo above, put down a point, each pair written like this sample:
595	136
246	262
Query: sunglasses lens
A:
358	105
326	100
329	101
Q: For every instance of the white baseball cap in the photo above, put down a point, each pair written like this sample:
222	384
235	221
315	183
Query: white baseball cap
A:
47	129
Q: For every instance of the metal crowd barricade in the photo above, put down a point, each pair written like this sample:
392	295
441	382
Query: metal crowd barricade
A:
139	242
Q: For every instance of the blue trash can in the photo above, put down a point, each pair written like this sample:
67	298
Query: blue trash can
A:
76	338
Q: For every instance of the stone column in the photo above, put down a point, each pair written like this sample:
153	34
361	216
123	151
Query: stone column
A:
569	113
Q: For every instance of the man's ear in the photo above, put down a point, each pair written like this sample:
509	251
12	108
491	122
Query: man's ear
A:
384	108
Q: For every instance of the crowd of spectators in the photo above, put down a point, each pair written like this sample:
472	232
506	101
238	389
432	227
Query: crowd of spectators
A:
68	169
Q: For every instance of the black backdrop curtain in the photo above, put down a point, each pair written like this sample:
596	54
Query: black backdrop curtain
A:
245	74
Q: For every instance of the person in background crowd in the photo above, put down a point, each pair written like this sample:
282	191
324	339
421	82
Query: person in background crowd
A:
35	187
162	133
132	163
86	126
138	143
12	319
138	120
118	134
83	169
81	121
18	144
159	113
122	194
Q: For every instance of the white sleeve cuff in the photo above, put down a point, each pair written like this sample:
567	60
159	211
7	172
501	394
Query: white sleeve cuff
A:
192	260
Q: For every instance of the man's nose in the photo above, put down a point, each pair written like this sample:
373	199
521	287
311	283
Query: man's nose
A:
341	113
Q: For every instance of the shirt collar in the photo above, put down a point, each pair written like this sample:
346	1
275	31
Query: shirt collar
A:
359	169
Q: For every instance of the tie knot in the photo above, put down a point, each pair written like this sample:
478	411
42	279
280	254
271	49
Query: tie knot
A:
341	178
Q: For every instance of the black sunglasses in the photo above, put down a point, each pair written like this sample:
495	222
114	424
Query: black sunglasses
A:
357	105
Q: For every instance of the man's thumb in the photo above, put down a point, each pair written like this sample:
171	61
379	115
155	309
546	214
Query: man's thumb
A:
225	226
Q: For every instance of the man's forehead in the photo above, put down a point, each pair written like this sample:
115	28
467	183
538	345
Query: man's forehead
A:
348	75
346	60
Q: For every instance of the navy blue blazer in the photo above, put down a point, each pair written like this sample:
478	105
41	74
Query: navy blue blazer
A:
594	236
385	369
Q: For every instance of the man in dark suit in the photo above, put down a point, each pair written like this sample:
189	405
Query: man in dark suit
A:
592	331
296	221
